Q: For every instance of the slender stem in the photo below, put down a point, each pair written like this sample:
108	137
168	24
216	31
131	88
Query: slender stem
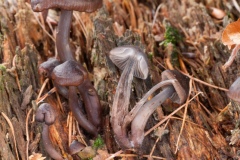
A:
120	105
62	38
91	102
139	122
77	113
48	144
129	117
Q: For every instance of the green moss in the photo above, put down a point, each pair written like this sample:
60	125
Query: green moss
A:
2	68
150	56
98	143
171	36
174	58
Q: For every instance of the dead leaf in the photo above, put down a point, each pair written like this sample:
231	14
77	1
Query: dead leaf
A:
231	34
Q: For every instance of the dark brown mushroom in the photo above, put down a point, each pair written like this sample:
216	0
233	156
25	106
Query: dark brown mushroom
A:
67	7
62	43
45	113
234	90
69	74
133	62
177	90
46	69
90	99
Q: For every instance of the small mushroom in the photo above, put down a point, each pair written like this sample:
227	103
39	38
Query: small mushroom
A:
75	147
45	113
46	69
234	90
69	74
177	91
133	62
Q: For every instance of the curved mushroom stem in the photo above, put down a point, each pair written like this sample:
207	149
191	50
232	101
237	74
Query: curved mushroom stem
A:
62	38
80	117
120	105
49	148
139	122
91	102
131	115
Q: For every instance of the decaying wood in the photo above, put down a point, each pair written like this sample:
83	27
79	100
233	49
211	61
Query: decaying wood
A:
211	127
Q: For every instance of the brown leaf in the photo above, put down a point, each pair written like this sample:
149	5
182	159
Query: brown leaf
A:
231	34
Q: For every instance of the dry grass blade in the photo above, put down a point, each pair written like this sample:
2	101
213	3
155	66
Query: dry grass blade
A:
205	83
185	114
12	129
42	88
53	39
114	155
46	95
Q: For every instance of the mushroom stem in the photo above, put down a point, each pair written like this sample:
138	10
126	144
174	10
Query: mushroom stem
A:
131	115
80	117
91	102
120	105
140	120
49	148
62	38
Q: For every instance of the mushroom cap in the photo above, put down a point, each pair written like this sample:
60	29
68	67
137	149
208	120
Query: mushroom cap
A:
68	74
77	5
181	86
45	113
121	57
234	90
47	67
75	147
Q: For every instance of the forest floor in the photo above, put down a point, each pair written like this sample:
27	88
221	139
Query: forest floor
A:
182	35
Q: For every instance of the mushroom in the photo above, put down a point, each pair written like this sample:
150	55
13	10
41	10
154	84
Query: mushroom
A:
45	113
46	69
176	87
75	147
90	97
132	61
69	74
67	7
234	90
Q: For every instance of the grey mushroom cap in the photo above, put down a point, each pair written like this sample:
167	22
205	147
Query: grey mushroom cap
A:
75	147
123	55
45	113
181	86
234	90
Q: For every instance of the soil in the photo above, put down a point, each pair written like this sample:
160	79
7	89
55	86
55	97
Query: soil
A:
182	35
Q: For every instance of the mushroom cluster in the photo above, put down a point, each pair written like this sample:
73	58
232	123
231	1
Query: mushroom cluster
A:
133	61
68	76
70	79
